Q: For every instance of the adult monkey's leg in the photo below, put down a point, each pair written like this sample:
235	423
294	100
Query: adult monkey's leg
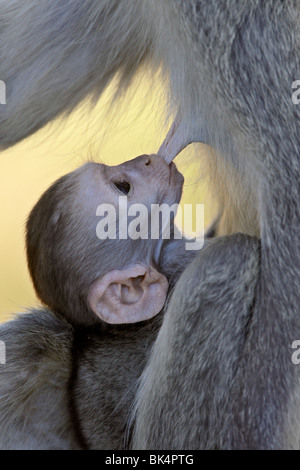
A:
185	399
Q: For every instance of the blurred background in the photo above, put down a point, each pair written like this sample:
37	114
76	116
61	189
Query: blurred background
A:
109	133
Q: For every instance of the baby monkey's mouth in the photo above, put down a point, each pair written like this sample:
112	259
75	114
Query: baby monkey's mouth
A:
175	177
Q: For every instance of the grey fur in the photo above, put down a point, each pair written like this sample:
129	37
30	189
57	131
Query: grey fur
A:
205	333
55	53
72	387
231	65
110	377
51	373
34	408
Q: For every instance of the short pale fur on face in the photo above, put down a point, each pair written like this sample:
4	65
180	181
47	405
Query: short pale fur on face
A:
147	180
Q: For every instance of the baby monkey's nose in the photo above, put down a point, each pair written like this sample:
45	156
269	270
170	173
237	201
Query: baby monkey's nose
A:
145	159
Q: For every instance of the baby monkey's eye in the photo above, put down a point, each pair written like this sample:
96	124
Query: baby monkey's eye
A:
122	186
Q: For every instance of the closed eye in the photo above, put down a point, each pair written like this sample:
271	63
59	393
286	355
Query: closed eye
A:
122	186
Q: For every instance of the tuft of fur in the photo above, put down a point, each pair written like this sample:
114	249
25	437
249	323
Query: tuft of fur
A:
54	54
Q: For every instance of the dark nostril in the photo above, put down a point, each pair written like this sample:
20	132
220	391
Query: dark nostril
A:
148	161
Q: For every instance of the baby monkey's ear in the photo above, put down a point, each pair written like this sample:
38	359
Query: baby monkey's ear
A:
129	295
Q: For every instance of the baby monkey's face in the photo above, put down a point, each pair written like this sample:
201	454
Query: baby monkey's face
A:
76	259
147	180
129	288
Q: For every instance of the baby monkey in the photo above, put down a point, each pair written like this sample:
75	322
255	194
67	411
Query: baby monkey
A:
115	280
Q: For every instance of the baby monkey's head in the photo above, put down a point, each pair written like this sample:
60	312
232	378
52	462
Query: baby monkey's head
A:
86	277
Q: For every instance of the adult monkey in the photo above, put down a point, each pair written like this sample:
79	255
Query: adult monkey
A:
231	66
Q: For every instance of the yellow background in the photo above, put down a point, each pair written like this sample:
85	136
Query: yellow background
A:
108	134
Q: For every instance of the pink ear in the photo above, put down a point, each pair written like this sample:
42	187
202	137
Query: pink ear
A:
130	295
